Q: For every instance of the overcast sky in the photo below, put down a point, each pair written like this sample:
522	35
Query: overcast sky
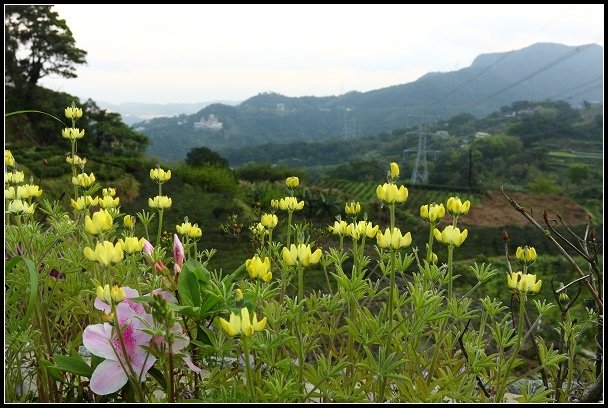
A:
199	53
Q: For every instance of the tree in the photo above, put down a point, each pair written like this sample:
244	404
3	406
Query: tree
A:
201	156
37	43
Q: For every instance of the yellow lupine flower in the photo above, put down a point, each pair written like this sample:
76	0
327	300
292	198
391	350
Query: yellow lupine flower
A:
239	295
243	324
14	177
432	212
451	236
393	239
10	193
394	170
84	202
160	202
523	282
73	113
103	293
27	191
184	228
301	255
258	268
195	232
457	207
353	208
76	160
131	244
9	160
269	220
159	175
526	255
274	204
390	193
290	204
101	222
128	221
109	191
83	179
105	253
117	294
108	202
340	228
72	133
363	228
20	207
292	182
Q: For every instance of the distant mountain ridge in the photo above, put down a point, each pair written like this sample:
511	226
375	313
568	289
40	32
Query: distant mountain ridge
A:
538	72
133	112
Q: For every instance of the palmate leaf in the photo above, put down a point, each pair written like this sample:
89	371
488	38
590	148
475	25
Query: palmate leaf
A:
31	268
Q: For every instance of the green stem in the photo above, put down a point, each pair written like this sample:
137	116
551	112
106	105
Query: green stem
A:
520	326
450	255
300	327
289	213
429	251
135	380
160	225
248	374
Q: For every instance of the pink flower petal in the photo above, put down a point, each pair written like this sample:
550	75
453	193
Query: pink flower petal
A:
108	377
191	365
168	296
96	339
101	305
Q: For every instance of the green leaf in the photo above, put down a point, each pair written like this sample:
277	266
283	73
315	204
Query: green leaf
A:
33	284
73	364
205	335
159	377
188	288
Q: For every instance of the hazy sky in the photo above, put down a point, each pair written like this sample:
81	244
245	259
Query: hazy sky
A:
196	53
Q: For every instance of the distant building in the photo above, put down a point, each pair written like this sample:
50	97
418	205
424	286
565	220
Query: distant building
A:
211	123
480	135
442	133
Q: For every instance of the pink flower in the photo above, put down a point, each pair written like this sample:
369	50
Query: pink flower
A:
102	340
131	293
147	250
178	254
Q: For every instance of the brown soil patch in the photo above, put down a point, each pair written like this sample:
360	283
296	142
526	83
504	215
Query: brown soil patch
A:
495	210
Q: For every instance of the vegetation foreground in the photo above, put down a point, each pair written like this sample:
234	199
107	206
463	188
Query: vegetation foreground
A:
94	313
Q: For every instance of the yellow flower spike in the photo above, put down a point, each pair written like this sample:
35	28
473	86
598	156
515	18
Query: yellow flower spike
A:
195	232
393	239
161	202
391	194
290	204
274	204
73	113
108	202
128	221
451	236
105	253
457	207
339	228
14	177
108	192
9	160
258	268
526	255
184	228
83	180
232	327
72	134
523	282
131	244
353	208
27	191
269	220
103	293
159	175
394	170
239	295
290	256
10	193
99	223
258	326
117	294
432	212
76	160
246	327
292	182
20	207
